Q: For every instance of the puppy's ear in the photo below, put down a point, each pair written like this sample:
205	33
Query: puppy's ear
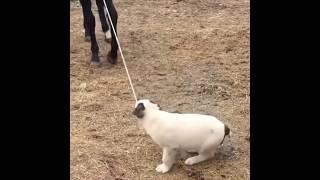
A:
139	110
156	104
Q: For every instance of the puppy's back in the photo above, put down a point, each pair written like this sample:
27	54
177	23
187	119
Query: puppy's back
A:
201	125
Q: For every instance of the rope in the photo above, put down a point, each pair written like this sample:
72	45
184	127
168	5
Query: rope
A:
124	62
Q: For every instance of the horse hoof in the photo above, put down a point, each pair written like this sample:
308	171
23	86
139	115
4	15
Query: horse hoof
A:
95	59
107	40
95	64
107	36
112	60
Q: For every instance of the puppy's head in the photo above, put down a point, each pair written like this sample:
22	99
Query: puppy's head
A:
142	105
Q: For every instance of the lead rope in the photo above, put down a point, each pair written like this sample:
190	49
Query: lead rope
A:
124	62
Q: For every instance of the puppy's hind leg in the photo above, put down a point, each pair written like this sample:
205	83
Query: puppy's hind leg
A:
168	159
183	154
207	151
201	157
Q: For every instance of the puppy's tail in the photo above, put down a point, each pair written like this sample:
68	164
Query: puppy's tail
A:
227	132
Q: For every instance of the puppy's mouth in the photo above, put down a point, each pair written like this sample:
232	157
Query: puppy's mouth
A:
134	112
138	113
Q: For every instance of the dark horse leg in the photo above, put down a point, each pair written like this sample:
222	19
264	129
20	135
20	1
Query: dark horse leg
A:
112	55
86	31
103	20
90	23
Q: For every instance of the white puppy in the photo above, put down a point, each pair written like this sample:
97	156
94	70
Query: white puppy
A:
176	132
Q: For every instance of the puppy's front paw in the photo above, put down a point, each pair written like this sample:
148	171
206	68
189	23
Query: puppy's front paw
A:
162	168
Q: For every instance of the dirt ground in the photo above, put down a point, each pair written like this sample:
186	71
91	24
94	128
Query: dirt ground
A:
186	55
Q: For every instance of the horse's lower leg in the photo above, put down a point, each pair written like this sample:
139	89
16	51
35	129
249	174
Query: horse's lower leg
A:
113	53
89	20
102	15
103	20
86	31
